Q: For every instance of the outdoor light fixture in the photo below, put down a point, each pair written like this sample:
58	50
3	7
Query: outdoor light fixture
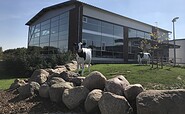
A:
173	21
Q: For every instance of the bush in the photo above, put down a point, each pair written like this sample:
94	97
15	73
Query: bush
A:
23	61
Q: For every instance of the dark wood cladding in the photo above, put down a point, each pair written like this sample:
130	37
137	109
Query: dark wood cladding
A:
75	25
125	46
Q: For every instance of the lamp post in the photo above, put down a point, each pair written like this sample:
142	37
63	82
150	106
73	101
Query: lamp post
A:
174	20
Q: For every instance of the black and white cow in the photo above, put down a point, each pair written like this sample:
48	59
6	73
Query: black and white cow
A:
83	56
143	56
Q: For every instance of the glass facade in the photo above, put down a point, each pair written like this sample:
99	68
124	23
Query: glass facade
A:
106	39
53	33
134	39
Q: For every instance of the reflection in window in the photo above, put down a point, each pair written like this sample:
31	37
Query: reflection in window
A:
45	32
106	39
54	37
44	39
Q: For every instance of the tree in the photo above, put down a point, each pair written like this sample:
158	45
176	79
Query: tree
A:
155	46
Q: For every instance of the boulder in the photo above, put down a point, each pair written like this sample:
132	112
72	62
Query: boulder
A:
72	66
111	103
91	102
54	80
44	90
50	71
28	90
116	85
39	76
60	69
77	81
72	98
95	80
68	75
17	83
131	92
161	102
56	90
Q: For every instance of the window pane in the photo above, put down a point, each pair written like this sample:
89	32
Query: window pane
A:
54	37
54	44
54	30
44	39
132	33
55	23
36	41
45	32
45	22
118	31
63	45
140	34
55	19
44	45
63	37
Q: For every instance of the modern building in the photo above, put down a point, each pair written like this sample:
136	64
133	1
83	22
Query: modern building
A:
180	52
113	38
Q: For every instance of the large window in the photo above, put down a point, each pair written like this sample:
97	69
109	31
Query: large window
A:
106	39
52	32
134	40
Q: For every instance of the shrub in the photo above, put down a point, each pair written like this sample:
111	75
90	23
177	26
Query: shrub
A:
23	61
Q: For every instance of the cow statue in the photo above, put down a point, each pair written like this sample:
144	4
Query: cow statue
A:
143	56
83	56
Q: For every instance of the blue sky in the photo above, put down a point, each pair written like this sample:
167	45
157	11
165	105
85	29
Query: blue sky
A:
15	13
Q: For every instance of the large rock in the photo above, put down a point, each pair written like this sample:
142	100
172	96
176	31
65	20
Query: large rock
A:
68	75
44	90
77	81
116	85
131	92
29	90
39	76
55	80
161	102
17	83
91	102
71	66
56	90
72	98
50	71
60	69
95	80
114	104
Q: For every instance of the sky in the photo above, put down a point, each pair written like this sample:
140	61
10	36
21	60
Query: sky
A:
15	13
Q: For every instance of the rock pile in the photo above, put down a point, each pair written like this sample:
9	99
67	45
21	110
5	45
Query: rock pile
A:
97	95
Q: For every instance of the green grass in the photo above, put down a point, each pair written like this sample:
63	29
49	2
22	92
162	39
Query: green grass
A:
166	78
5	83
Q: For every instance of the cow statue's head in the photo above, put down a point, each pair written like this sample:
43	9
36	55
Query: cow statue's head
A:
78	46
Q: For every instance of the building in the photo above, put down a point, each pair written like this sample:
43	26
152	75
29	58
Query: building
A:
114	38
180	52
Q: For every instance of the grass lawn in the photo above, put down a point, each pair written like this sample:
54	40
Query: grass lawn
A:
166	78
5	83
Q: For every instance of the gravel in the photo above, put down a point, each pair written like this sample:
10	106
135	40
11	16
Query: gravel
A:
10	103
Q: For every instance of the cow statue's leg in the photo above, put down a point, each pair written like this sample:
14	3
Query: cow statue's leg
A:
82	69
89	66
148	62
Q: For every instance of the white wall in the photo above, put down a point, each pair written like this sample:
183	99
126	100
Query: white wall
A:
180	52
